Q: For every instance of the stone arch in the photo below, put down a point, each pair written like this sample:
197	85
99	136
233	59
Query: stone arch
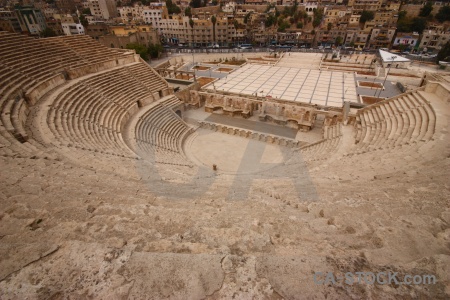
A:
334	120
307	115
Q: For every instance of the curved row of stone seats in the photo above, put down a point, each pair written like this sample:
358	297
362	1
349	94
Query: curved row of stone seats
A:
323	149
25	63
147	76
43	58
87	48
90	114
406	119
14	139
121	87
159	134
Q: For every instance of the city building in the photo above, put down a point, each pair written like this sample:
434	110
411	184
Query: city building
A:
434	39
405	40
31	20
9	21
105	9
72	28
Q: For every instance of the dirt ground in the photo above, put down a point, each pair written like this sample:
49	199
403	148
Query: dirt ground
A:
204	80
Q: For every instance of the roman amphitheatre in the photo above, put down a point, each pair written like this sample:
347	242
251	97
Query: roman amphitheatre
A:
124	181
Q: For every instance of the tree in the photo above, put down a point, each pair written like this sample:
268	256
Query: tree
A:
318	15
48	32
299	25
366	16
172	8
338	41
188	12
426	9
444	53
329	26
83	21
235	24
247	16
296	16
316	22
140	49
213	21
270	21
196	3
154	50
418	25
192	23
443	14
86	11
282	25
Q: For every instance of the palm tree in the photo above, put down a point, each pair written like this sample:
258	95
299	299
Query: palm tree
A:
214	20
191	23
235	23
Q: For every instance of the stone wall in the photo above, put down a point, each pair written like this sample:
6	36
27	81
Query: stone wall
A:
210	57
230	105
250	134
94	68
292	115
298	116
36	92
190	96
414	81
437	88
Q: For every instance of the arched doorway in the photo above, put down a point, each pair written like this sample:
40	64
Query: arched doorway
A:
178	112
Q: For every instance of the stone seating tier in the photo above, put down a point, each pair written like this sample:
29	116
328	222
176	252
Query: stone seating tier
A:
323	149
403	120
147	76
22	70
159	133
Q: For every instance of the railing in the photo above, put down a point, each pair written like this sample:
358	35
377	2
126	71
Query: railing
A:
261	49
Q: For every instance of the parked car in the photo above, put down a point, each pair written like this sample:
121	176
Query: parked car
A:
245	46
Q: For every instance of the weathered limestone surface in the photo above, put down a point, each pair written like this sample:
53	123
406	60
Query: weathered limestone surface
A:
79	220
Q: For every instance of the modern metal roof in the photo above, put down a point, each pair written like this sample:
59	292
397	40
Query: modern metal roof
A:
392	57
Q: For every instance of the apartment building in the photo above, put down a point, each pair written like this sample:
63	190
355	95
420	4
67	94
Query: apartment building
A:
381	37
72	28
359	5
31	19
104	9
201	34
130	14
434	39
408	40
9	21
121	35
154	14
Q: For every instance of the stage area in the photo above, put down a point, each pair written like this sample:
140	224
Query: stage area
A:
253	125
326	88
235	154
